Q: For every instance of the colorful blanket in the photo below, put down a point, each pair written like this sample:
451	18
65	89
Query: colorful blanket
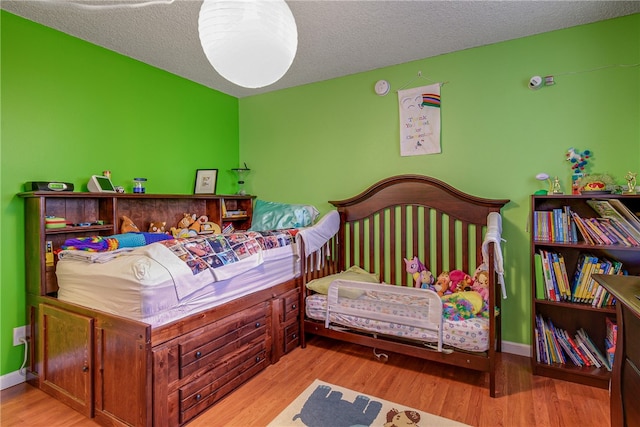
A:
216	251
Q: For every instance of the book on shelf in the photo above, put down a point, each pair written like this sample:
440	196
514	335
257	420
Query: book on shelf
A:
628	220
584	287
611	339
554	226
551	277
555	345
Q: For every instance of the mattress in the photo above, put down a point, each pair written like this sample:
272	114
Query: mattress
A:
155	285
468	334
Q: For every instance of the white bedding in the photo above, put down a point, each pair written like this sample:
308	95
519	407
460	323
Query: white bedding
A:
138	285
470	334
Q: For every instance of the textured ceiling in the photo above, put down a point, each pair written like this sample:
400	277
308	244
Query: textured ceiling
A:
335	38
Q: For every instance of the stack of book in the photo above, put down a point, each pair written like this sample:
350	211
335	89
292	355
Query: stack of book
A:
555	345
617	225
554	226
553	284
584	288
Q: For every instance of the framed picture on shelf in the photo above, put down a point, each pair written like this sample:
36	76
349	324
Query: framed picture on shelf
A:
206	180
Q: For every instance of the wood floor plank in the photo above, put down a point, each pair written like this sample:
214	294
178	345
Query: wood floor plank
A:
522	399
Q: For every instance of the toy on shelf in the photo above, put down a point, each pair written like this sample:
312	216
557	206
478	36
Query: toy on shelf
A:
578	159
631	182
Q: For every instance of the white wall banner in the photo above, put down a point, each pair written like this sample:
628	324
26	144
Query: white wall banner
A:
420	120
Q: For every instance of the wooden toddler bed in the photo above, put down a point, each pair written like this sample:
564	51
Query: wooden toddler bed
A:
149	338
397	218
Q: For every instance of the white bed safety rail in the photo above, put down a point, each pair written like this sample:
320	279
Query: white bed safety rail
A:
429	307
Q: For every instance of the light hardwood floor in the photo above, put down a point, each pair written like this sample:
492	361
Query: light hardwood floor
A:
456	393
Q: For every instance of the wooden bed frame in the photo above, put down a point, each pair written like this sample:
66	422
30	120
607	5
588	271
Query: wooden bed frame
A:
123	372
406	216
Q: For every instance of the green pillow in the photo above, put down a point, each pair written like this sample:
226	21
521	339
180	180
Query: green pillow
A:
354	273
277	216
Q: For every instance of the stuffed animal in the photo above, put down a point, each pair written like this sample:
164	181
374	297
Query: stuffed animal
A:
198	223
414	267
183	229
425	280
481	283
157	227
459	281
442	283
128	225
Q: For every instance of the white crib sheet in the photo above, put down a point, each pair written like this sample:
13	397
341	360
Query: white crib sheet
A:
469	335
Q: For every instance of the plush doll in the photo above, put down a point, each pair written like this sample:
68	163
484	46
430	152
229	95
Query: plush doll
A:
481	284
198	223
183	229
459	281
425	280
442	283
414	267
128	226
157	227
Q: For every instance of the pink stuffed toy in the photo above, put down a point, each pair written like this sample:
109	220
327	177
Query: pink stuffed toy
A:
459	281
415	267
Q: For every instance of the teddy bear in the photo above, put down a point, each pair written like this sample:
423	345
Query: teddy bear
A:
442	283
157	227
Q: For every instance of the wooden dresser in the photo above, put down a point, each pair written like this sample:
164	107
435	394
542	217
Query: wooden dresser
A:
625	380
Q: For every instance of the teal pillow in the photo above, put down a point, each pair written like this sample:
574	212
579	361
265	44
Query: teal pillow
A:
277	216
354	273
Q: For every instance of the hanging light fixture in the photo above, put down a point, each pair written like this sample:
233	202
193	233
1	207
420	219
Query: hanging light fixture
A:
251	43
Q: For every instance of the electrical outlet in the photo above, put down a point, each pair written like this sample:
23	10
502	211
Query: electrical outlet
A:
20	332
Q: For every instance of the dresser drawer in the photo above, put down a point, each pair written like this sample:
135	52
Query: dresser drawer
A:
291	305
291	337
209	346
198	395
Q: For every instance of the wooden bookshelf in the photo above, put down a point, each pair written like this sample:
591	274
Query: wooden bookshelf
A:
567	314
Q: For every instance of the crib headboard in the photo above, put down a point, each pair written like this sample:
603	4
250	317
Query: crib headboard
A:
412	215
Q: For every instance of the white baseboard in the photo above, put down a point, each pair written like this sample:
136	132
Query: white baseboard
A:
516	348
11	379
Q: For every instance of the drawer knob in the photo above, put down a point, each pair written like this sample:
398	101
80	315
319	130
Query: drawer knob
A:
257	359
198	355
294	336
198	396
85	368
257	324
294	306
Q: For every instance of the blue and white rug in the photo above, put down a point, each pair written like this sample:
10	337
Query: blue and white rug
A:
328	405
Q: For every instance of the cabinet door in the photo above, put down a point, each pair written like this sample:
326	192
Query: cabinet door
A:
67	359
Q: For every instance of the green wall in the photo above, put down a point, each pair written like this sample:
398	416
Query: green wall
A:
70	110
331	140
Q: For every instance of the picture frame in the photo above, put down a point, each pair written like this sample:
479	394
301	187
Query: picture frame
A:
206	181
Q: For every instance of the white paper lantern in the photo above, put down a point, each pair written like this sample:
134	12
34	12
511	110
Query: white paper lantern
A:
251	43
